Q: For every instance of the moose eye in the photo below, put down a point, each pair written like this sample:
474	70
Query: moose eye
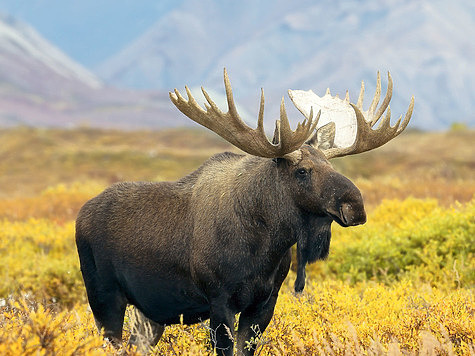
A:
302	172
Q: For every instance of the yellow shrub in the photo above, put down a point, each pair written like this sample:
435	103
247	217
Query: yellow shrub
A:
36	330
414	239
328	318
334	316
400	283
59	203
39	257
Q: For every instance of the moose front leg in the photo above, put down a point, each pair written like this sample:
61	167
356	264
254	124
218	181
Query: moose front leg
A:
252	324
222	329
253	321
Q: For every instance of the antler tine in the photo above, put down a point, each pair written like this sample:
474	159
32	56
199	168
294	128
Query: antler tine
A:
233	129
359	103
377	96
385	103
229	96
311	126
407	117
367	137
212	105
285	133
385	128
303	131
260	117
276	138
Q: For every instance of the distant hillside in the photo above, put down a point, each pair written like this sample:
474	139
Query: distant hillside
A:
41	86
23	50
427	45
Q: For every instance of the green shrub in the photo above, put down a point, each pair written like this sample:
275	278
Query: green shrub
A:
414	239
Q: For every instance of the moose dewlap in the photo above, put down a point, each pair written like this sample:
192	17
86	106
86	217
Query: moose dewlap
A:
218	241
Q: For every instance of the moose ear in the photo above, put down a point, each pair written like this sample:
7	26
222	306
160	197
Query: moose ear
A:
324	137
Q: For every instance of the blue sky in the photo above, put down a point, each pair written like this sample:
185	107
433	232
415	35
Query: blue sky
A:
78	26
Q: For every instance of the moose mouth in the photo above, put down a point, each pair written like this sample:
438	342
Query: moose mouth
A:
347	217
340	218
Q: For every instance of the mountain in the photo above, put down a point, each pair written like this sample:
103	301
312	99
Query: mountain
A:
22	47
41	86
427	45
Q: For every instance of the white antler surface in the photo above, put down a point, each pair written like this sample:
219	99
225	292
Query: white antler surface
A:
333	109
356	130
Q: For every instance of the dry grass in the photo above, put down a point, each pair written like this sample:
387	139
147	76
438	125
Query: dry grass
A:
33	159
422	165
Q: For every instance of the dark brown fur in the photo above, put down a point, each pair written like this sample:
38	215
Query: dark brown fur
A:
215	243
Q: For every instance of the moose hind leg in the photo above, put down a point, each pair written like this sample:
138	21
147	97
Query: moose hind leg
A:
145	333
106	300
109	310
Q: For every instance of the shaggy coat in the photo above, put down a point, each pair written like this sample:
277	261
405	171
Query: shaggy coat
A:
212	244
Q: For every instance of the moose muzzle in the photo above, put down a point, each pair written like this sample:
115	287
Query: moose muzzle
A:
346	208
351	215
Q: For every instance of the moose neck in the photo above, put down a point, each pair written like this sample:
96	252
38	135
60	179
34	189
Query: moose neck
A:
267	207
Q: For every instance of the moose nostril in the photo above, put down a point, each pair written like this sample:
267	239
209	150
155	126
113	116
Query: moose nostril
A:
346	213
352	215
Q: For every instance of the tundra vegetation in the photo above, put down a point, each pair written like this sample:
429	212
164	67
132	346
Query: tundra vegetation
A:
400	284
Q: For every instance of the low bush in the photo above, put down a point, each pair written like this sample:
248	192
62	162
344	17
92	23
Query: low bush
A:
401	283
411	239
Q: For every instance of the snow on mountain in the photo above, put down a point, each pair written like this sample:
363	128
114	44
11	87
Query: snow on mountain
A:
41	86
20	42
427	45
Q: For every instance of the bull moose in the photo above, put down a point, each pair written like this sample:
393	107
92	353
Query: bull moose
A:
217	242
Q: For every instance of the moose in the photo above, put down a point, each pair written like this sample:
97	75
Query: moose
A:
217	242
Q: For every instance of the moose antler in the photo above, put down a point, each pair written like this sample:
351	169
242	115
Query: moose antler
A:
234	130
368	137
